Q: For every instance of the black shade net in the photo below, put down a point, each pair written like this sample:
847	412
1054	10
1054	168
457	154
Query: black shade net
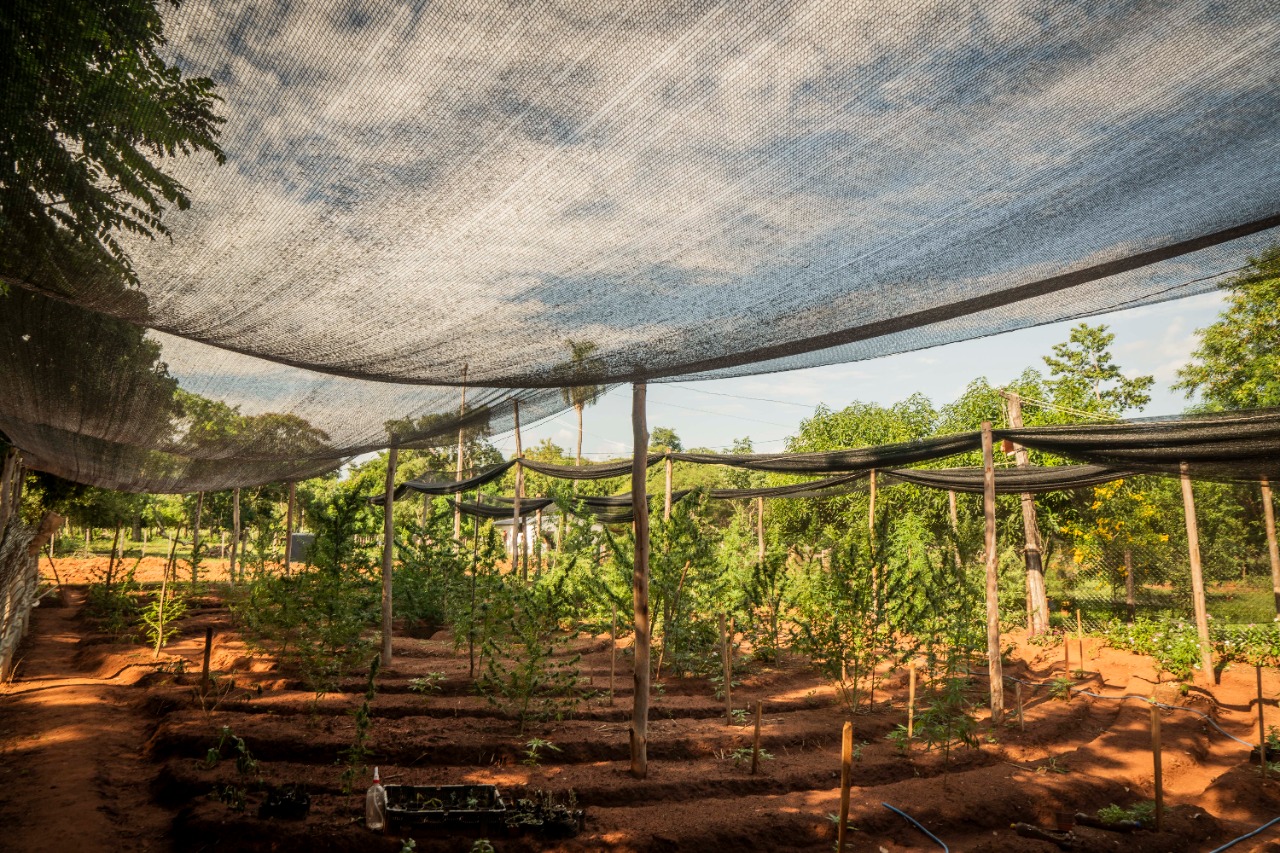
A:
1034	480
418	194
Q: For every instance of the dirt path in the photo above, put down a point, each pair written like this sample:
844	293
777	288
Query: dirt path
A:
72	772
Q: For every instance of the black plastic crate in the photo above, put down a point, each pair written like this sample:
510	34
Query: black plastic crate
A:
445	805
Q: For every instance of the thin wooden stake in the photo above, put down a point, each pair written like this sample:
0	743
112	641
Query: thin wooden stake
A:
208	650
1066	656
517	524
993	591
911	701
640	583
235	533
846	778
727	669
1017	697
755	740
613	651
1262	730
666	502
1155	757
1080	638
195	540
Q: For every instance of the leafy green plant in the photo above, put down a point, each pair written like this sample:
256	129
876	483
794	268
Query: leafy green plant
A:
1060	688
157	618
524	676
1143	813
481	845
355	755
533	751
430	683
948	720
900	739
742	755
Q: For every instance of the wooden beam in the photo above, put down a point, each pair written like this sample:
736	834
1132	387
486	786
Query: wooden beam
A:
388	546
640	584
1197	575
1269	515
993	577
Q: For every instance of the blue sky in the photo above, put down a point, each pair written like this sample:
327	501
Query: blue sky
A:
1155	339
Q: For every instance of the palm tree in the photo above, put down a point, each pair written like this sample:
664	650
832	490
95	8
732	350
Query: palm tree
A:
581	362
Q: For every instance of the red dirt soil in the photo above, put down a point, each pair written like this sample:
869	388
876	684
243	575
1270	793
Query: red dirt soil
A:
102	751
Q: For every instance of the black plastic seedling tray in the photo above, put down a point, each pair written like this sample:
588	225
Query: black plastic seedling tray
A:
445	805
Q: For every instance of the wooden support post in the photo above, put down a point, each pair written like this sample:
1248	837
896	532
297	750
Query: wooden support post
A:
1066	656
666	502
875	568
195	539
1037	597
208	651
537	542
288	528
993	590
462	413
1262	730
388	547
755	740
517	523
640	583
164	590
471	614
955	528
911	701
726	668
1197	575
1273	551
846	779
760	531
613	651
1130	601
1155	758
235	532
111	562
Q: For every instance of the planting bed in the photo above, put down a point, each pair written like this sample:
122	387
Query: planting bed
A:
102	750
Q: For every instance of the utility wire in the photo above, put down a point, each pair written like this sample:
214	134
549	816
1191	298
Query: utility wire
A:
738	396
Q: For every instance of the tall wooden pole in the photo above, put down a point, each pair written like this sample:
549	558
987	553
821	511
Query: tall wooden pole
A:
760	549
846	780
1197	575
875	563
1037	598
462	412
955	528
288	529
517	524
640	584
235	532
1156	763
195	539
388	545
1269	515
666	503
993	587
6	477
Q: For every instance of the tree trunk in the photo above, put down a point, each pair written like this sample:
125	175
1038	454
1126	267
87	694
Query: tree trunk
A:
388	546
640	583
993	587
1197	575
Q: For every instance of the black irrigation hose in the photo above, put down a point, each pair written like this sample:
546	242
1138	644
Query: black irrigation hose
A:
945	848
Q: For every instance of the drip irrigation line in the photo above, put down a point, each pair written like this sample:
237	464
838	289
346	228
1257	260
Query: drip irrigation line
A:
920	826
1147	699
1246	836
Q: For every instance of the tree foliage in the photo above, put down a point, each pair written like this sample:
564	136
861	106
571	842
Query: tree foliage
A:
90	103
